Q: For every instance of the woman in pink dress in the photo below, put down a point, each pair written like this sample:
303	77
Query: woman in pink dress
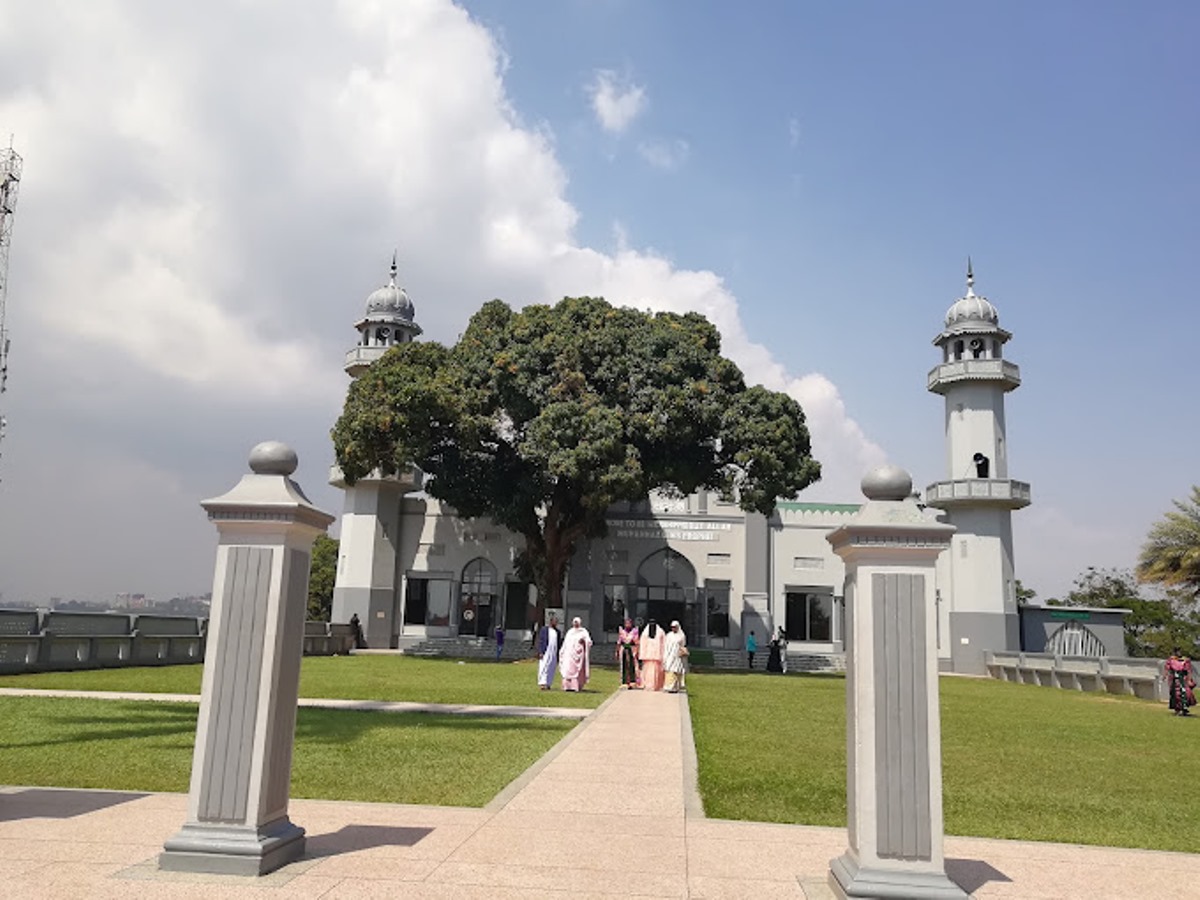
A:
650	652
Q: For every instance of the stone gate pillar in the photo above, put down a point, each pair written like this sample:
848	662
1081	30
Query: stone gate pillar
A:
241	768
893	733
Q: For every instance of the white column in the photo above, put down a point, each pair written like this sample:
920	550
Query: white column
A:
893	730
241	768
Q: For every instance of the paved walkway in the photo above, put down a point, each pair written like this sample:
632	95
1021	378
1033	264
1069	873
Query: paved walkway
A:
391	706
599	816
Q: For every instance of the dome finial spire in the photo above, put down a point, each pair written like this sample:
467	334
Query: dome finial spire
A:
970	278
393	268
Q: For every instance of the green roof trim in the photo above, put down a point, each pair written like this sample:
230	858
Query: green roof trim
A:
797	506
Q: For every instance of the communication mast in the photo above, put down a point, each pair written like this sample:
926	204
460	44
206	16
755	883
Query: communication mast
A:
10	181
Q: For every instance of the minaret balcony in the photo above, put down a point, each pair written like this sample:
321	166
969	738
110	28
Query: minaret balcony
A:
361	357
1000	492
1007	375
409	479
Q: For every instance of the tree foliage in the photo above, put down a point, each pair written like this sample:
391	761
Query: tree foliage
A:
1171	554
321	575
542	418
1153	627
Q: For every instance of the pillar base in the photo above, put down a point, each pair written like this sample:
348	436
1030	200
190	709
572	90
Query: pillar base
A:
847	879
226	849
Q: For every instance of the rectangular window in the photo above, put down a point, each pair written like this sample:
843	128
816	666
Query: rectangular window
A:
808	562
716	599
718	559
616	598
438	603
809	616
416	601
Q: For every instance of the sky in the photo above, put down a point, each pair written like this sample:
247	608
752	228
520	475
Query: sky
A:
212	190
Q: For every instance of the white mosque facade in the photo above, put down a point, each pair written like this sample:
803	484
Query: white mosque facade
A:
412	570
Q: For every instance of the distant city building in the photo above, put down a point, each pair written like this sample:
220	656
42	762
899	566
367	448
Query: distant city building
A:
410	568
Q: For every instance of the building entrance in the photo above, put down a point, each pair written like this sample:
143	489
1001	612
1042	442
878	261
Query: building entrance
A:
666	591
478	599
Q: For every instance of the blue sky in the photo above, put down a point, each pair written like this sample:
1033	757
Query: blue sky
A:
204	212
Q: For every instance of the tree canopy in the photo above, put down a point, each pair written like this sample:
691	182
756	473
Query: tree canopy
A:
542	418
322	572
1171	554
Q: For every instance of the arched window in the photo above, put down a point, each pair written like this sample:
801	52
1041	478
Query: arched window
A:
1073	639
478	598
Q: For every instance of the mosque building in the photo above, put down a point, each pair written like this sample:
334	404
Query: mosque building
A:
413	571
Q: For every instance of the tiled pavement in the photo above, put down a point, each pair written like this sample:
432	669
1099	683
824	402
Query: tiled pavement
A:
611	812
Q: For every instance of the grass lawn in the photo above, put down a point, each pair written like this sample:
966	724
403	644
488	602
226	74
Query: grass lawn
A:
339	755
356	678
1019	761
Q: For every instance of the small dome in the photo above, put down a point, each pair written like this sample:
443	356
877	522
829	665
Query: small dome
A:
972	307
887	482
390	300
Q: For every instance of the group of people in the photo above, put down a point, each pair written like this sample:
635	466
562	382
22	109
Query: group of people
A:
652	659
649	658
1181	683
777	655
566	654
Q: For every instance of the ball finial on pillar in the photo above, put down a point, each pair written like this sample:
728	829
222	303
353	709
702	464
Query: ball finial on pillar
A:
273	458
887	482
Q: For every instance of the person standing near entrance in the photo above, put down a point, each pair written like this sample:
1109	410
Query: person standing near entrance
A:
499	641
1181	683
548	641
627	652
650	652
675	654
576	664
751	648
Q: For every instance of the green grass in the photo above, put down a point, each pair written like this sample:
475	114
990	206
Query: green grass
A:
1019	761
339	755
356	678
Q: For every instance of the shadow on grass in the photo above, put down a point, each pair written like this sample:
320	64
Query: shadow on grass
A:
336	726
363	837
57	803
162	721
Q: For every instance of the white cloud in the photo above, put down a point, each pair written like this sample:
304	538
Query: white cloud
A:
663	154
200	237
616	100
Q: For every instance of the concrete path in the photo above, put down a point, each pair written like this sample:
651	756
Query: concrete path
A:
446	709
610	812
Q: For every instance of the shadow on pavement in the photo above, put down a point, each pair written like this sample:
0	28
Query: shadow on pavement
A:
58	803
972	874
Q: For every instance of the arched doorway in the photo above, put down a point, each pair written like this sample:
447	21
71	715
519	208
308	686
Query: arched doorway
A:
666	590
478	598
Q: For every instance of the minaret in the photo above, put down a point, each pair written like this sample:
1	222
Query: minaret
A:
367	583
388	321
977	495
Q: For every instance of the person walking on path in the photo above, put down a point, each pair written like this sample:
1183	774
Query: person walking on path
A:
576	665
499	641
1181	683
549	639
751	648
675	658
650	652
627	654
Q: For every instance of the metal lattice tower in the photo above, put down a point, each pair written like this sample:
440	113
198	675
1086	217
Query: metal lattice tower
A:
10	181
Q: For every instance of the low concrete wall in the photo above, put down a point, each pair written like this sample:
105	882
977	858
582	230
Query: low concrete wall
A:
52	641
1120	675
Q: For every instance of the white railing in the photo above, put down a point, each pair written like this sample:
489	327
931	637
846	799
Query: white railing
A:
1138	677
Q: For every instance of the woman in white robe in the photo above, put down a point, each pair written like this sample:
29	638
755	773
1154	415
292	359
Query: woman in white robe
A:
575	664
675	658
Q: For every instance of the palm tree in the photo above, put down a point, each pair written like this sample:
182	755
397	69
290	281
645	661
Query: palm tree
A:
1171	554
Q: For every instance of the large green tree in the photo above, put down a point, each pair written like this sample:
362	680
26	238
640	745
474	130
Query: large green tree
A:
542	418
1171	554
